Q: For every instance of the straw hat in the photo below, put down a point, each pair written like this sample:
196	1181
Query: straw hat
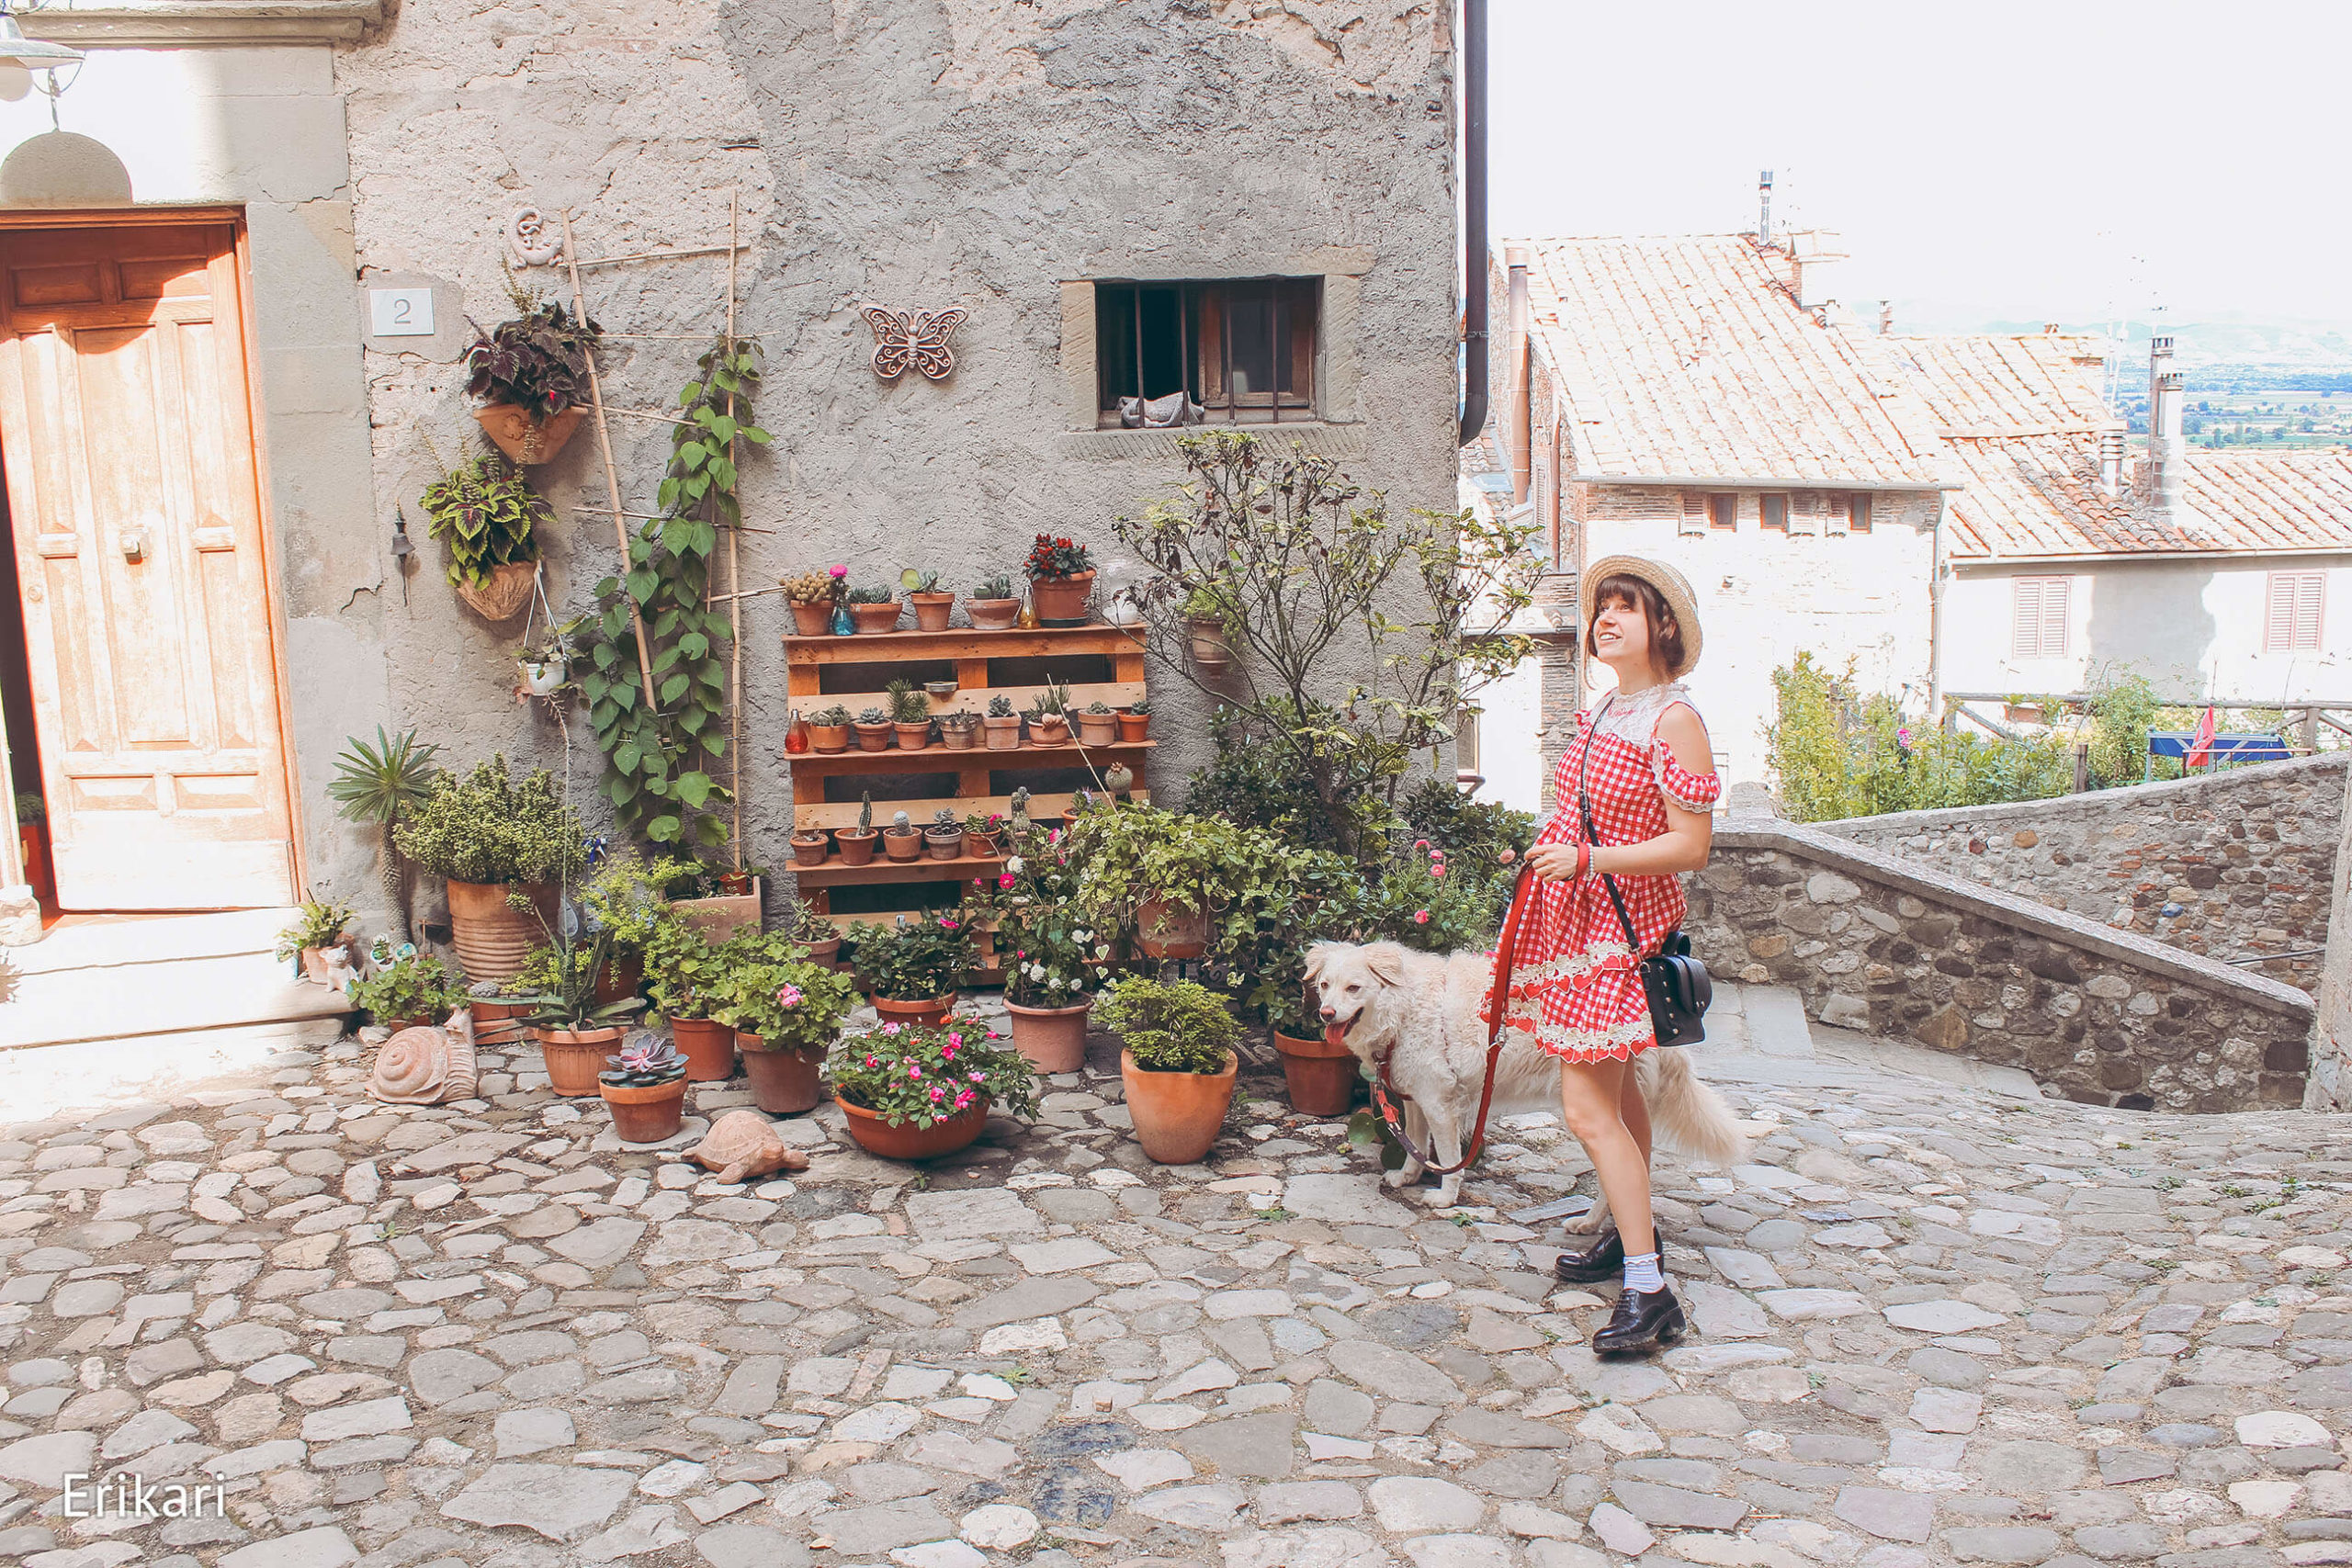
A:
1671	586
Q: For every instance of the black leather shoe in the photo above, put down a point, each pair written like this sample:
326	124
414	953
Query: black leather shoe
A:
1644	1321
1605	1259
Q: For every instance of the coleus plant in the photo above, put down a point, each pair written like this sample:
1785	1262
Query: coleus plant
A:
486	514
538	360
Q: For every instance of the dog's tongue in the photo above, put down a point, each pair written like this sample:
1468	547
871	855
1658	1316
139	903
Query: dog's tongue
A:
1335	1034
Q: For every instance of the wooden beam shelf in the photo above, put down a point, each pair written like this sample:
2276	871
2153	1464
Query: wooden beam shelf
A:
962	642
844	813
945	760
836	873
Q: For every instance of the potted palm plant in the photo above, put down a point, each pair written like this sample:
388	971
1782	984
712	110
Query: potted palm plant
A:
872	609
1177	1061
488	833
645	1089
377	784
317	925
909	715
413	988
1003	724
575	1032
689	978
530	374
829	730
1061	579
914	967
917	1091
856	844
786	1012
993	606
488	517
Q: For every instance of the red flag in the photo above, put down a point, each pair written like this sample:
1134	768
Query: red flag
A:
2200	745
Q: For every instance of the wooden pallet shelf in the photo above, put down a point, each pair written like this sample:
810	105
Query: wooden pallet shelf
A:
942	760
836	871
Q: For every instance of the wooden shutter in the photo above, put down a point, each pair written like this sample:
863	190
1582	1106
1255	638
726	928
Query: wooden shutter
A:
2309	602
1833	516
2038	617
1695	514
2291	614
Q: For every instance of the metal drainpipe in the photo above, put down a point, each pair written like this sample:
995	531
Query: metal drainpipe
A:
1474	221
1935	611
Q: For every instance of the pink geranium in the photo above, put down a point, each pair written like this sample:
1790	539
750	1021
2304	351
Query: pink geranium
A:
1420	917
789	995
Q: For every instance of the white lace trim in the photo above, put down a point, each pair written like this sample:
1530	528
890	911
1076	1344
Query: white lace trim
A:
1617	1041
1569	966
1658	758
1635	720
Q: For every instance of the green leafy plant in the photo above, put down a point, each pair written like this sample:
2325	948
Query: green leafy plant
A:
645	1062
996	587
539	359
316	924
417	987
868	596
624	896
790	1004
686	974
919	959
1170	1026
908	703
916	579
569	1003
489	827
916	1073
663	749
487	514
835	715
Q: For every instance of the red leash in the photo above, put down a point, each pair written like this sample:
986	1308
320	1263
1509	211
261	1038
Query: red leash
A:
1498	1002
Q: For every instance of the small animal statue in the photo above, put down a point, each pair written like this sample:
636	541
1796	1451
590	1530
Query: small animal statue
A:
742	1145
341	970
424	1065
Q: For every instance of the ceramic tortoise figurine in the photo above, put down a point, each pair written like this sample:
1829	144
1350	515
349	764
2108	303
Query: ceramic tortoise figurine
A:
742	1145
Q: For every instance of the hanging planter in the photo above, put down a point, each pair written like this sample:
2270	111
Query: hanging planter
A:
541	678
512	431
503	593
1211	654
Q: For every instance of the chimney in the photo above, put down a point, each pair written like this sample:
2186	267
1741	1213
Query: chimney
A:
2111	462
1813	260
1764	207
1885	317
1520	388
2167	449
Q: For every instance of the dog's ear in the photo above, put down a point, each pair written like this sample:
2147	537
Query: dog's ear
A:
1316	958
1385	960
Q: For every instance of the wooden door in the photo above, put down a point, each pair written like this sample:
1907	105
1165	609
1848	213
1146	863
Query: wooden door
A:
127	436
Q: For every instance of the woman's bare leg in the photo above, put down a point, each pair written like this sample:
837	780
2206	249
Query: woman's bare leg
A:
1635	1110
1592	1096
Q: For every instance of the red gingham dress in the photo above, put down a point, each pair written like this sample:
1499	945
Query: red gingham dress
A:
1573	986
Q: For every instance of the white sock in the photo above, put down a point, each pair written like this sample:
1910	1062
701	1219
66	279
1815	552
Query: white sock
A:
1642	1273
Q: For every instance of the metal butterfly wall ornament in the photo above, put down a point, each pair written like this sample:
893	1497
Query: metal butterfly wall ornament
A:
916	337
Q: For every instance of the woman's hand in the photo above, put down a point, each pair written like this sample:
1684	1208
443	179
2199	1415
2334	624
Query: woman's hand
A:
1553	862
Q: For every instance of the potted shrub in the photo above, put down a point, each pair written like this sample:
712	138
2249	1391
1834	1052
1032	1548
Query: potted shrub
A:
914	1091
913	967
1061	579
812	596
856	844
786	1012
993	606
1097	725
488	517
960	730
1177	1061
932	607
624	897
983	835
1003	724
872	609
1049	716
810	846
1045	987
873	726
413	988
488	833
645	1089
530	374
317	925
814	932
909	715
1134	720
943	839
689	978
829	730
574	1031
1162	872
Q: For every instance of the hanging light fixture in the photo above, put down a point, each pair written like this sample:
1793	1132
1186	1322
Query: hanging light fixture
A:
33	54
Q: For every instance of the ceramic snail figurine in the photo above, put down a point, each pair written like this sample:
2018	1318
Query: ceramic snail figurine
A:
742	1145
424	1065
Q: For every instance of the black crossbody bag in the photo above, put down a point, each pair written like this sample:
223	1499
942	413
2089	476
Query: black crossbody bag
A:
1675	984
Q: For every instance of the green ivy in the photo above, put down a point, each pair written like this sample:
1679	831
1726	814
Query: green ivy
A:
662	757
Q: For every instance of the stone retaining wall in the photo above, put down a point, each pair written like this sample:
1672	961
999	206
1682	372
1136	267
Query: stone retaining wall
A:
2242	858
1903	951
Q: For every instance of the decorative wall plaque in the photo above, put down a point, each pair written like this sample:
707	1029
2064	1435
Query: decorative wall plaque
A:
531	239
918	337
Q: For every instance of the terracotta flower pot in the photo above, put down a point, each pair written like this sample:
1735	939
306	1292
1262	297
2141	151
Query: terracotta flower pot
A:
992	614
619	978
1321	1074
504	594
1098	729
943	846
872	736
902	846
810	850
709	1047
495	1022
913	736
1177	1114
1134	726
932	610
980	846
933	1011
645	1113
856	848
959	738
908	1140
1004	734
1054	1039
514	432
574	1059
1166	930
827	952
783	1083
1051	730
1061	601
812	620
829	739
873	618
492	941
1211	651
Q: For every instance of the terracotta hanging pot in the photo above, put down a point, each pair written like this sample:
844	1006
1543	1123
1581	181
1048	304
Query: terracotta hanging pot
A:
512	431
1061	601
1321	1074
709	1047
907	1141
492	940
573	1060
1177	1115
645	1114
783	1083
1211	654
1054	1039
507	593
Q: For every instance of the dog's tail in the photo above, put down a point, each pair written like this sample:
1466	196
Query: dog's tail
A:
1689	1115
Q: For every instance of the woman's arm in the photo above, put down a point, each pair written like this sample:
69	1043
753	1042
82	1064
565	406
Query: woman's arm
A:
1689	834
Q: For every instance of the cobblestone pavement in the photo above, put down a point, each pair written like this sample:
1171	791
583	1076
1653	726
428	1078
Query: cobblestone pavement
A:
1934	1324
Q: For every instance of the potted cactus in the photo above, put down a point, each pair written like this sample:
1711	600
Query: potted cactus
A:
645	1089
1134	720
873	726
902	840
1003	725
909	715
1098	725
993	606
856	844
873	610
960	730
812	596
932	607
943	839
829	730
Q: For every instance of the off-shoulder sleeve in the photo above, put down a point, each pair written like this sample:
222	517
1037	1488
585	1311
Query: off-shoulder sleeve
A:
1692	792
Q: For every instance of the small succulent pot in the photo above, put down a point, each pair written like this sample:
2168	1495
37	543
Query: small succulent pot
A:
812	620
1098	729
913	736
902	846
1004	734
980	846
1061	601
856	844
932	610
874	736
829	739
647	1113
1134	726
873	618
960	737
1053	729
810	849
992	614
933	1011
943	843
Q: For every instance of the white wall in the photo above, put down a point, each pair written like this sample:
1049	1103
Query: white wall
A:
1510	753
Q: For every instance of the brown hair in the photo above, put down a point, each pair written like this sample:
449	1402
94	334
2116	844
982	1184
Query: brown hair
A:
1666	632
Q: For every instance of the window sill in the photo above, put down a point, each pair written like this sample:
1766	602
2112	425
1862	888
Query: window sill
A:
1333	438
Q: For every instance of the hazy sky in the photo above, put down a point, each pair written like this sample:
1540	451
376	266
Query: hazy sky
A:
1981	157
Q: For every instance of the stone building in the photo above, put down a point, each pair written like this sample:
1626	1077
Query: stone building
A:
205	249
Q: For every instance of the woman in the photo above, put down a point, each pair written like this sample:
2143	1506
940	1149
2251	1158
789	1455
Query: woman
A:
1640	759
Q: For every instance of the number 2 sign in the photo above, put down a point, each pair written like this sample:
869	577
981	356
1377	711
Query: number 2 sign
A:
399	312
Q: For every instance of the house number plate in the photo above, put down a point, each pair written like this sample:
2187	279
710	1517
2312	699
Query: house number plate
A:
399	312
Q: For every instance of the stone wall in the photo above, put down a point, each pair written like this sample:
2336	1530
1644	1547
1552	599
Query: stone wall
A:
1903	950
2331	1087
2231	867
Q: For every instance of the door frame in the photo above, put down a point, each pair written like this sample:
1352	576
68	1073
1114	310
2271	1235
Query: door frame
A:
241	242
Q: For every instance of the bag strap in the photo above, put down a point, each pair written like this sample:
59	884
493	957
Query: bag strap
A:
1591	835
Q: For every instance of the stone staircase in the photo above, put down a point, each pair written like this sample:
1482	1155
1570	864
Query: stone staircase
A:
1760	1034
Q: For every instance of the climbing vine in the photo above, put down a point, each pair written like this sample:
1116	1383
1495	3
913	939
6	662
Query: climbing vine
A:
662	757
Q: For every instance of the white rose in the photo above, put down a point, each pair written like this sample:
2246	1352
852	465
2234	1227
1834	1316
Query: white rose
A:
1013	865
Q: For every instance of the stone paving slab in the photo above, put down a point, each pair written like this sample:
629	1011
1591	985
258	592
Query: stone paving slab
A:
1937	1324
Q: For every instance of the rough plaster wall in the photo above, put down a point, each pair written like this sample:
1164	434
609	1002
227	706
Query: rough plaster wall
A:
919	155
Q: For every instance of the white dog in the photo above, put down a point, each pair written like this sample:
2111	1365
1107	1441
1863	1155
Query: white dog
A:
1421	1012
